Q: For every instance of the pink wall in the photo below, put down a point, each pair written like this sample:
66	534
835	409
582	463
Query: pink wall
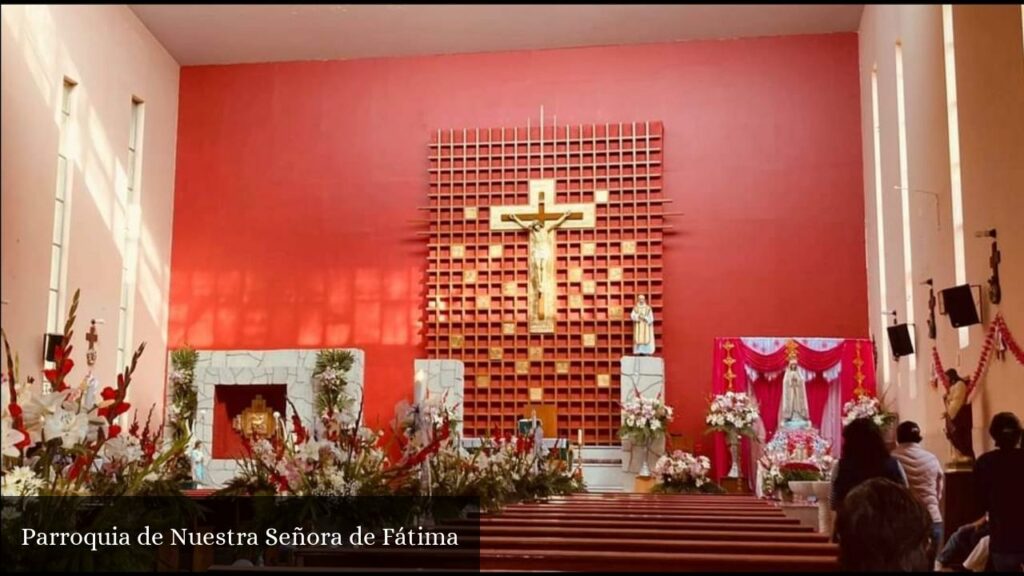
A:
112	57
296	183
990	102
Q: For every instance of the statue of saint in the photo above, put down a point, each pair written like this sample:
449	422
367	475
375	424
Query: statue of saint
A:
959	419
197	459
643	327
542	256
794	411
537	429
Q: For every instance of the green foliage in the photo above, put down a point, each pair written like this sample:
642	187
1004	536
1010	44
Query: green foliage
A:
184	402
332	365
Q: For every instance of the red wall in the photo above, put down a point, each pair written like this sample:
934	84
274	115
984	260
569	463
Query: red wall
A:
297	184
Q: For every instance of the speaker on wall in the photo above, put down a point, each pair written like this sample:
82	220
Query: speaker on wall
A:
50	343
900	340
959	304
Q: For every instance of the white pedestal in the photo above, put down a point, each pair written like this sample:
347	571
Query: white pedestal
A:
646	375
444	379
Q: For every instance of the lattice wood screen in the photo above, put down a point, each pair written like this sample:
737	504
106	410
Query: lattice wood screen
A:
476	309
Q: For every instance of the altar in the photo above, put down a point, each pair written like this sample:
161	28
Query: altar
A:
834	371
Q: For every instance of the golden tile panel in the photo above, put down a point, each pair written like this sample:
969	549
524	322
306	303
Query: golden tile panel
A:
589	248
509	288
590	340
615	274
629	246
470	213
604	380
496	353
536	353
508	328
589	287
468	276
496	251
600	195
483	302
483	381
458	251
455	341
575	274
522	366
562	367
575	300
536	394
615	312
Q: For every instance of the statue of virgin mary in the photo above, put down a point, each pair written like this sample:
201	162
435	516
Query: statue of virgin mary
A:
794	411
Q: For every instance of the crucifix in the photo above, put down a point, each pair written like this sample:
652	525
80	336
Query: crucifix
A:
541	219
92	337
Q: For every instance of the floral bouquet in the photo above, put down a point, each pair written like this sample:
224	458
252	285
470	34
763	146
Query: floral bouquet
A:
682	472
866	406
332	365
644	418
733	413
58	443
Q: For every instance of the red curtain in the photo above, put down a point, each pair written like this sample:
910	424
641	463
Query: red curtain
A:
856	359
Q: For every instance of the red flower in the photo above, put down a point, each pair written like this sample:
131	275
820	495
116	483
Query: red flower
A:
15	410
113	410
114	431
299	429
80	464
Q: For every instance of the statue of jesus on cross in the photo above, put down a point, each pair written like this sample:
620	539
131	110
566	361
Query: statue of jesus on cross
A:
541	220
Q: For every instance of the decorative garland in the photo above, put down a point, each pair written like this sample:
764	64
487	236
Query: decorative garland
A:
997	337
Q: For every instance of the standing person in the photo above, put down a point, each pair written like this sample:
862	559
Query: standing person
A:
998	478
864	457
924	475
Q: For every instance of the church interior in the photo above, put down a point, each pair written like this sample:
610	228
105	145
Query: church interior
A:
653	285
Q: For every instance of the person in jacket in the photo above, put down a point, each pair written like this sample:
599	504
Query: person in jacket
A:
924	475
997	479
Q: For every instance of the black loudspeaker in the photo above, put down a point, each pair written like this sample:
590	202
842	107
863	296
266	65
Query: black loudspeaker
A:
50	343
959	304
900	340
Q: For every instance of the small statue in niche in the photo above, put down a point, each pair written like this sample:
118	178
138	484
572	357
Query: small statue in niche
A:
197	460
642	316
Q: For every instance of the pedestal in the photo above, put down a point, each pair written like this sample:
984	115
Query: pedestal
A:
959	506
735	485
643	485
646	375
444	379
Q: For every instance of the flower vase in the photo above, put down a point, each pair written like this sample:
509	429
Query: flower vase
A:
732	439
645	471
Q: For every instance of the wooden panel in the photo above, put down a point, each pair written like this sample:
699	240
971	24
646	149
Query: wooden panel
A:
599	271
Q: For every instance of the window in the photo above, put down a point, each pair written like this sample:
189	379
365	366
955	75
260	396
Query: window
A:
959	256
908	265
61	214
879	215
130	234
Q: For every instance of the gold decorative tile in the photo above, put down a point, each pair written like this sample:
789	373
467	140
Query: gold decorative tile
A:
509	288
508	328
536	394
536	353
458	251
600	196
469	276
496	353
522	366
590	340
629	246
589	248
483	381
589	287
575	300
496	251
615	274
575	274
562	367
483	302
470	212
604	380
455	341
615	312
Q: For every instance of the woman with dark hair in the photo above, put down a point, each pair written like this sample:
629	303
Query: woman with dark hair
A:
997	480
864	457
882	527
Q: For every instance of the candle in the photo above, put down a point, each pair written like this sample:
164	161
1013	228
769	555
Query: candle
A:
418	389
579	436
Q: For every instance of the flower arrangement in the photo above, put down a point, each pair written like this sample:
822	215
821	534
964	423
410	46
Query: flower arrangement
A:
332	365
733	413
682	472
800	454
55	443
866	406
644	418
184	401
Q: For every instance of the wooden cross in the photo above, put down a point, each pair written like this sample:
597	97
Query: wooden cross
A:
541	273
92	337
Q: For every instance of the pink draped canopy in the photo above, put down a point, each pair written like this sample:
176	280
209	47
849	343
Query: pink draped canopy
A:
833	369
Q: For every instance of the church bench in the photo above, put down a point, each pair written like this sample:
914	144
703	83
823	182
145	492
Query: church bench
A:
529	558
646	533
623	524
780	518
645	506
491	542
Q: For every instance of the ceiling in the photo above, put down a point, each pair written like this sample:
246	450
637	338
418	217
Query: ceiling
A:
227	34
